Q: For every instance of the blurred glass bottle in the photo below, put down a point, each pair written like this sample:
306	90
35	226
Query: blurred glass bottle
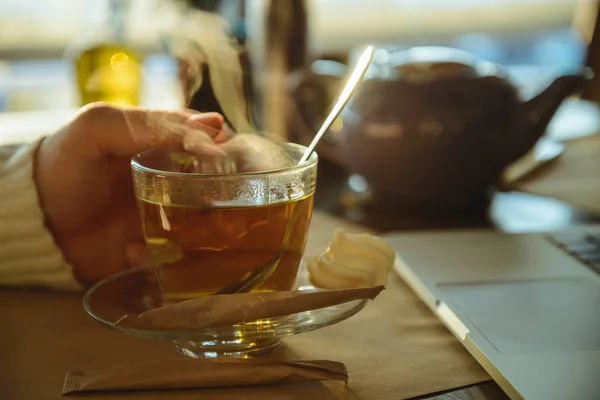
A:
107	67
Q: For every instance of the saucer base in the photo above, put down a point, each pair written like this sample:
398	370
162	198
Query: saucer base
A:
135	291
226	348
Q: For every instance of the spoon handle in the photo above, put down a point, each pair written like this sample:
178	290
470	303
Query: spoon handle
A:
351	85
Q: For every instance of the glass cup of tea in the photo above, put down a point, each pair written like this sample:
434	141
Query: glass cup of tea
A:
210	233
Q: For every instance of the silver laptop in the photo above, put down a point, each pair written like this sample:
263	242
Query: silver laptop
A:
526	306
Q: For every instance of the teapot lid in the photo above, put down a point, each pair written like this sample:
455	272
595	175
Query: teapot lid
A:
430	63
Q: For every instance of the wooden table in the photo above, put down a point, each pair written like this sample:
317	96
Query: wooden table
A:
44	334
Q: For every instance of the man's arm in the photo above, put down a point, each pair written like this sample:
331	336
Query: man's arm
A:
28	254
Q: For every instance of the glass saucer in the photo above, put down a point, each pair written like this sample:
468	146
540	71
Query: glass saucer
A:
136	290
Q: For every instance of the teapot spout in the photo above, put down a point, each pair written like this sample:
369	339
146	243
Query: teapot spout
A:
541	108
534	115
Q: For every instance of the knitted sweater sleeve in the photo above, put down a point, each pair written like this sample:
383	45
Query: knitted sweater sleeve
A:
28	253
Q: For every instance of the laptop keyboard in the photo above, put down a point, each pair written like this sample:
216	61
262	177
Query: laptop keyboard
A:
585	247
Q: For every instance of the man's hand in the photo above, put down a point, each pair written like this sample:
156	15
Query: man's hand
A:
84	181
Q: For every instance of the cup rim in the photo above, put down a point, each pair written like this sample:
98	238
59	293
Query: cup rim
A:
135	164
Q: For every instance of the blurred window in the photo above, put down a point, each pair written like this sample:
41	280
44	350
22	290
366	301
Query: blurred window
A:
34	35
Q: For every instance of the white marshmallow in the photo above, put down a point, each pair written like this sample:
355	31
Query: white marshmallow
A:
352	261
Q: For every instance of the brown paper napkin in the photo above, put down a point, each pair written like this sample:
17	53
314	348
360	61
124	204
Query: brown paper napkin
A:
203	373
228	309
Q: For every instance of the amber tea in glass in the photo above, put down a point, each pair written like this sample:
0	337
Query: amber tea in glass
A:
209	232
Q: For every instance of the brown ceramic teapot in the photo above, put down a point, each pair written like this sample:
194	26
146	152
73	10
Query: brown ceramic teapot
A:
431	126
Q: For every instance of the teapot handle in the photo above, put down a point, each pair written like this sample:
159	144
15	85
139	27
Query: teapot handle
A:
313	91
